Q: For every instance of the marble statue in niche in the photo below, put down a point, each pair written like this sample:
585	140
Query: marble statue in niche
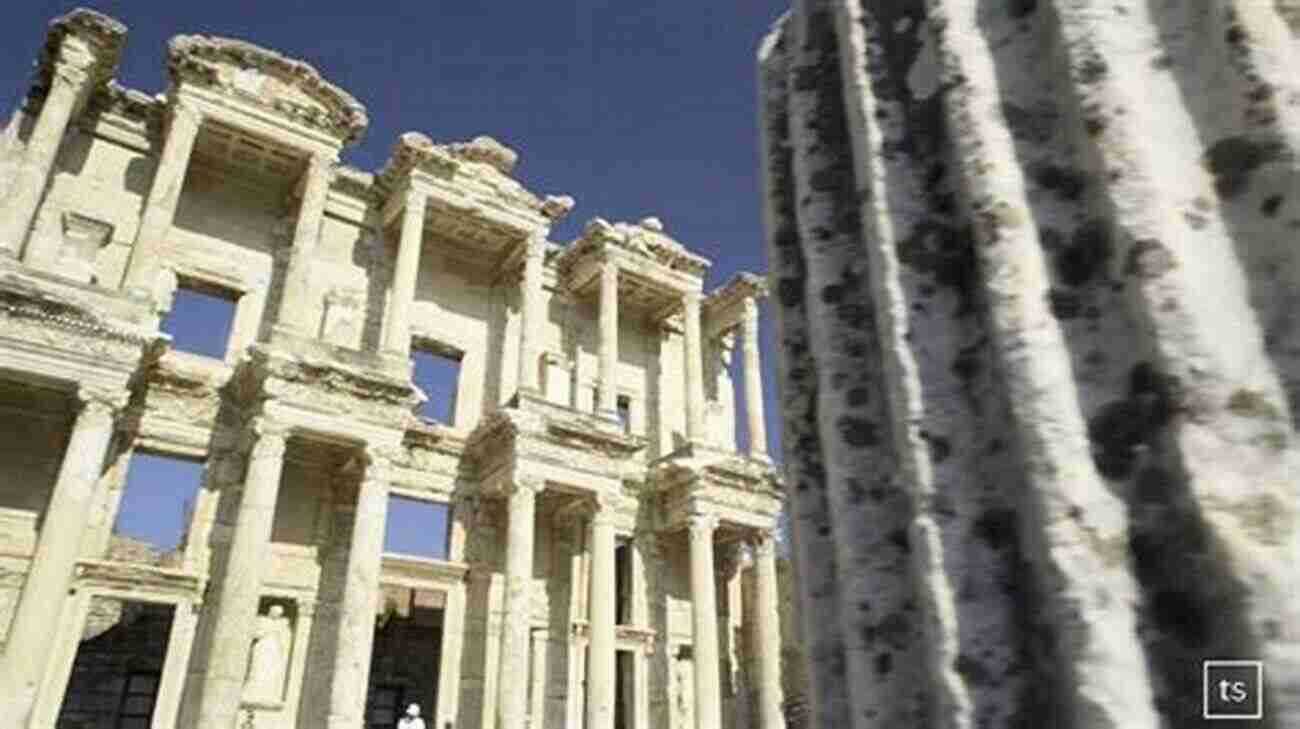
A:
268	660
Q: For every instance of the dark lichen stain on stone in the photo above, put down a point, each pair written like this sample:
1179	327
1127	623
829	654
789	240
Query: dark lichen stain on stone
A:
1092	68
1271	205
997	528
1086	255
1121	426
947	253
1019	9
858	432
1065	304
1251	404
1195	220
940	448
894	631
1149	258
884	663
1232	160
858	397
975	673
1067	183
1031	125
1155	485
898	538
1179	612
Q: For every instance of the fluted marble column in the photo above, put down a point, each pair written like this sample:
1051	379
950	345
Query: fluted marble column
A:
512	697
295	307
767	625
234	611
607	402
397	335
694	368
753	381
356	624
63	525
704	614
532	314
70	85
164	195
601	664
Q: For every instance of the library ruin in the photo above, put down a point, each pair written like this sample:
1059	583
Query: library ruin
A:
608	558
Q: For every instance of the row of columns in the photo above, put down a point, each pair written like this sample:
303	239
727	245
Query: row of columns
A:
607	351
512	698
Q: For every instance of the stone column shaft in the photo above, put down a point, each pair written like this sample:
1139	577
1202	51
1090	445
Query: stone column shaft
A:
704	614
694	369
607	400
295	308
532	314
398	333
164	194
601	663
41	603
753	382
356	624
767	626
234	610
69	86
512	701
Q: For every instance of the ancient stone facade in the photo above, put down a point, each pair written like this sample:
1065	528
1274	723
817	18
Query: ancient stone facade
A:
610	551
1036	276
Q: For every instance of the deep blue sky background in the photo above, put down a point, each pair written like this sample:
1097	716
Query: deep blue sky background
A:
634	109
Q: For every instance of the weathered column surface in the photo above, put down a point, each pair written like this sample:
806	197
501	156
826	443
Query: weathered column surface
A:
704	621
601	645
607	397
1036	275
512	699
234	610
532	314
767	629
397	334
753	380
350	680
694	368
295	307
164	195
40	604
88	44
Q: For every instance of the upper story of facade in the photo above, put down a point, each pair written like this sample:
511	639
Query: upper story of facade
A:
121	209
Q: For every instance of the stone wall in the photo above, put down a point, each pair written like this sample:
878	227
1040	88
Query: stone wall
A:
1036	282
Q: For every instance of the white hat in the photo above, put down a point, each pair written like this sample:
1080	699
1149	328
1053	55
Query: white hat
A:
413	710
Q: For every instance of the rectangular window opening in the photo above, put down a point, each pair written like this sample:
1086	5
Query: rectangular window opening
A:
437	373
118	665
201	318
417	528
153	515
624	706
623	583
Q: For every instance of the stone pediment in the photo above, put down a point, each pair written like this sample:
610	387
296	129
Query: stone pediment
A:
645	239
267	80
99	35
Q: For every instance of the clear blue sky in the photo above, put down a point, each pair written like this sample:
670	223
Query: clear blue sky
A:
635	109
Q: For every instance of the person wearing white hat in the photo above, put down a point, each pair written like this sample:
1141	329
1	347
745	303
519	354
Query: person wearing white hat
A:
411	719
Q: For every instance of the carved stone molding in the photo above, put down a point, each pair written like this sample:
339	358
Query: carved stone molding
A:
99	41
286	87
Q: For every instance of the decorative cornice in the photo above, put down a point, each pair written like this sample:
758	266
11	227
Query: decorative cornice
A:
740	287
128	577
645	239
48	311
195	58
413	151
486	150
102	35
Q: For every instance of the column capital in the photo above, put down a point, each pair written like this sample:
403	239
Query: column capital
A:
98	400
184	112
603	509
702	525
378	462
525	483
764	542
749	309
269	438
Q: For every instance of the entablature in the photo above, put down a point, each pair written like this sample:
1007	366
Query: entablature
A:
740	491
723	309
654	271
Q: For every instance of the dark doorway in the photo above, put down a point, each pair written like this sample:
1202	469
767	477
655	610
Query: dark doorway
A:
623	691
118	668
407	656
